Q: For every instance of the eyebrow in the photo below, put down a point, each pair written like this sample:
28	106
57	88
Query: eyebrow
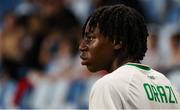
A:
89	34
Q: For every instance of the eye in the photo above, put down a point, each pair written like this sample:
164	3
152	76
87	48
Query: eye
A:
88	39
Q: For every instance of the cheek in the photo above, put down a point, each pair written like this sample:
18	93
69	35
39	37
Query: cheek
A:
100	60
101	53
96	51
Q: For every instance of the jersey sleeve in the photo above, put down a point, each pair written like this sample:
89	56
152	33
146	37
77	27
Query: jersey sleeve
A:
104	96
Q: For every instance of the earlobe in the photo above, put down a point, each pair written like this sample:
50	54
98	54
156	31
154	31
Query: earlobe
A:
117	45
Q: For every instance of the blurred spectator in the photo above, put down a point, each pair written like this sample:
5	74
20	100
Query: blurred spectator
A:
58	74
152	56
156	10
26	7
57	52
175	47
6	6
12	52
0	51
136	4
39	58
36	33
173	12
81	8
174	72
7	89
165	47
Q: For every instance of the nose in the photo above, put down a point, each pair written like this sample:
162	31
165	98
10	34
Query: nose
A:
83	46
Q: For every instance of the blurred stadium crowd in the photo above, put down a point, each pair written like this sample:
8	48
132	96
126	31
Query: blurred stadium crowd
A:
39	58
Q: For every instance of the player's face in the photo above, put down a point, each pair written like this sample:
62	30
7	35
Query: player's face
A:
96	51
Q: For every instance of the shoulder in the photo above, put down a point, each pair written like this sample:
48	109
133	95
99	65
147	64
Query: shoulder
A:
116	82
161	77
102	83
105	95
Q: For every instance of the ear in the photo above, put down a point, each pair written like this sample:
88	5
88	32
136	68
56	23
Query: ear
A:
117	45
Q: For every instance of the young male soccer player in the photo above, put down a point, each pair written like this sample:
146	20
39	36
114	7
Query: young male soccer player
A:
114	39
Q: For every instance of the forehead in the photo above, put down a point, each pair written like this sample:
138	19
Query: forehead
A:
91	29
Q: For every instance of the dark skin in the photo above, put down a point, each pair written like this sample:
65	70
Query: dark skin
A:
100	53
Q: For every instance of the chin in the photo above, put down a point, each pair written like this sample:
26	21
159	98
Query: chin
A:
92	69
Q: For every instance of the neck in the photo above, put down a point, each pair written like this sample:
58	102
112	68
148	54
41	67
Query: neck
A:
119	62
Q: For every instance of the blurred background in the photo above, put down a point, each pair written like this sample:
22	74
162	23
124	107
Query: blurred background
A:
39	57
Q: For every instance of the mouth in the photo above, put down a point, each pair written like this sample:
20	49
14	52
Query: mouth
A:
84	59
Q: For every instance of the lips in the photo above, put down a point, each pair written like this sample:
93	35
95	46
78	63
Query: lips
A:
84	59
